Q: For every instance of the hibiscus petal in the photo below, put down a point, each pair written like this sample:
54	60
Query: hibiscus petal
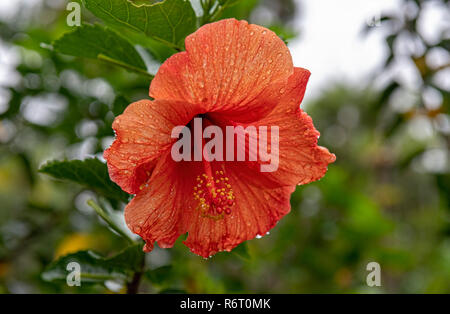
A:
155	213
231	67
256	211
143	132
301	160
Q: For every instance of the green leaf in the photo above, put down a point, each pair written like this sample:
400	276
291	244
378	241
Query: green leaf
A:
228	3
169	21
119	105
129	259
284	32
97	269
159	275
222	5
143	2
91	173
242	251
98	42
113	219
158	50
240	10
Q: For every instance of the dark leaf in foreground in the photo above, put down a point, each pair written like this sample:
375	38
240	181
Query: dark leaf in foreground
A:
90	173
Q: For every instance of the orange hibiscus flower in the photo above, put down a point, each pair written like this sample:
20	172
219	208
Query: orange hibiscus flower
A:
231	74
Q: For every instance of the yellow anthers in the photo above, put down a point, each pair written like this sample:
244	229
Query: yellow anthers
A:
214	195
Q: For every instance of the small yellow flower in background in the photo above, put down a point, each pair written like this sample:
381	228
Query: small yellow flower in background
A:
4	269
73	243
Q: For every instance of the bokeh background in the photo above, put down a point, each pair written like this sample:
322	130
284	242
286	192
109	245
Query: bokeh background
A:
379	95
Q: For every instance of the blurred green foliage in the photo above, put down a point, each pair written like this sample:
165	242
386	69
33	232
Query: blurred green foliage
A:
386	199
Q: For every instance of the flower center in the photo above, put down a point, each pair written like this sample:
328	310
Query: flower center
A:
214	195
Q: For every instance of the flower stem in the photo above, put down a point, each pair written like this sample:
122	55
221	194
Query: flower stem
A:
104	215
124	65
133	285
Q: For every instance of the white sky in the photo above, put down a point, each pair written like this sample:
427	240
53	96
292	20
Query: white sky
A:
331	45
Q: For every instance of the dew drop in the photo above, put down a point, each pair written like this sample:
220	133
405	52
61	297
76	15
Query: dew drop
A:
133	158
